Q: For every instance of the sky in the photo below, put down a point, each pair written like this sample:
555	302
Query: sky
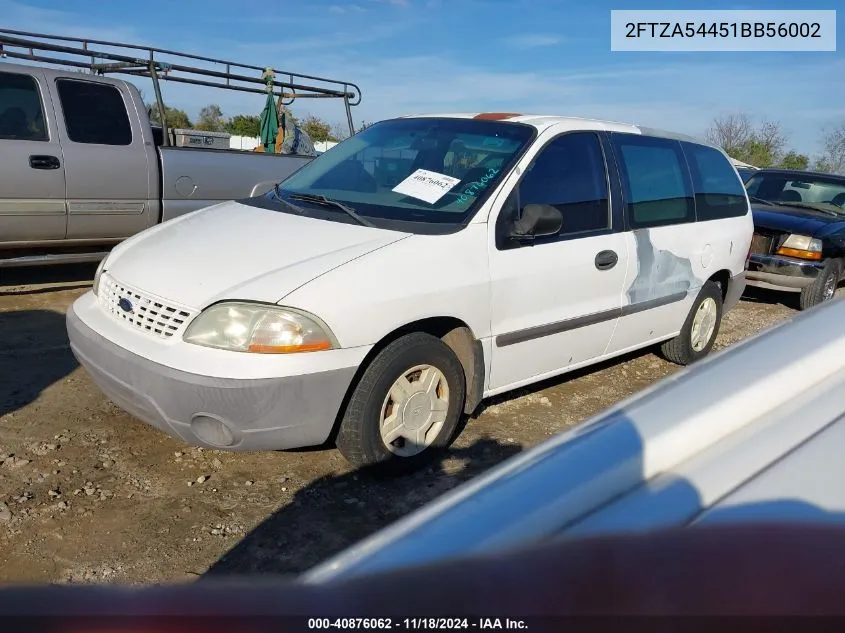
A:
426	56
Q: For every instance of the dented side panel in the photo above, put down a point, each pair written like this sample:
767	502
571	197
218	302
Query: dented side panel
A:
664	275
669	265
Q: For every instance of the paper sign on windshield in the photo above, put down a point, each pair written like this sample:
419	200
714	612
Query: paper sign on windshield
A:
425	185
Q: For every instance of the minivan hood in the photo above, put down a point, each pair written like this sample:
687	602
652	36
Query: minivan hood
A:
235	251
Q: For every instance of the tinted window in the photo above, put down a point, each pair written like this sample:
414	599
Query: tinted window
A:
94	113
21	113
569	174
718	191
657	191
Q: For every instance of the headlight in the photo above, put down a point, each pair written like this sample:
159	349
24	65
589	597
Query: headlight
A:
258	328
97	275
801	246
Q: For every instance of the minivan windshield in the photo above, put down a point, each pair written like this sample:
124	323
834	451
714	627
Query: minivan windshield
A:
813	191
419	170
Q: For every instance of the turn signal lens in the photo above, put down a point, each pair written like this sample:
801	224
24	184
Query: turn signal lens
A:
795	252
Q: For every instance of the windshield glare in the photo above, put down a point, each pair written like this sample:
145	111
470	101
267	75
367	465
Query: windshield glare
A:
417	170
814	190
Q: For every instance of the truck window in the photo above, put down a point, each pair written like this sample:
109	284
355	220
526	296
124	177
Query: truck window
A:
94	113
21	110
655	180
719	193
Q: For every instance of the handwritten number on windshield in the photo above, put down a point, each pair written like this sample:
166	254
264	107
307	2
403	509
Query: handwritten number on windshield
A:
474	188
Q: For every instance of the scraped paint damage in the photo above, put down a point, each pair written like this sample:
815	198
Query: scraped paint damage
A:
660	273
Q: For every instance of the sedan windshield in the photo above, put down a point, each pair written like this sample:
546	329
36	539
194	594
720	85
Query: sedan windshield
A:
814	191
420	170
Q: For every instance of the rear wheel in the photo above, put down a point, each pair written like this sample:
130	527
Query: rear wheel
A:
700	328
823	288
406	406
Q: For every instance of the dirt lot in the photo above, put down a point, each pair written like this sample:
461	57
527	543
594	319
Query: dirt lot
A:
87	493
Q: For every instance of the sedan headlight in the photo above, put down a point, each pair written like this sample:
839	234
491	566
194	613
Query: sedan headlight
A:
802	247
259	328
96	287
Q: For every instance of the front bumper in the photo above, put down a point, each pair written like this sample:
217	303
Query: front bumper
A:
776	272
215	412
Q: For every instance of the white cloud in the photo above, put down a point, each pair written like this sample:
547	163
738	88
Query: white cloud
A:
533	40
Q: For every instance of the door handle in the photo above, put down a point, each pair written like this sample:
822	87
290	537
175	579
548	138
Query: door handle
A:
606	260
44	162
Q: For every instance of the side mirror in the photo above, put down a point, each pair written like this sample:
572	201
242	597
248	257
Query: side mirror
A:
538	220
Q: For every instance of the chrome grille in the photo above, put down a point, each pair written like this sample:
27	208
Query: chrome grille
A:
146	313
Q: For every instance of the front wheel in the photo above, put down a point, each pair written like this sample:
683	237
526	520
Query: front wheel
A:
406	406
700	328
823	288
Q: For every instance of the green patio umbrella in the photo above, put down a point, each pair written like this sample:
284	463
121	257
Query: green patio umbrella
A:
269	117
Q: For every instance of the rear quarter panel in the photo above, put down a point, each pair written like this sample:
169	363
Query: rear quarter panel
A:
196	178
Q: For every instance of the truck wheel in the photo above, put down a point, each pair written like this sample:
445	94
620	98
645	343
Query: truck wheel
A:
823	288
700	329
406	406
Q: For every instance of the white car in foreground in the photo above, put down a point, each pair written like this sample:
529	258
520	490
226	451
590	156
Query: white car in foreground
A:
752	436
384	289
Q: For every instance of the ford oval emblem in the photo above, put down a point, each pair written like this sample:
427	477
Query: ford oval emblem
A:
125	304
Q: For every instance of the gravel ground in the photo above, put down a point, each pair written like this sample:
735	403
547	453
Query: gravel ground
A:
89	494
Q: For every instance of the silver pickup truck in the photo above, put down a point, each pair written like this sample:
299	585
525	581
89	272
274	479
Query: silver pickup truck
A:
81	166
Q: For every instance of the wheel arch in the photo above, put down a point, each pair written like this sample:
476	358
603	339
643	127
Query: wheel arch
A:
723	278
453	332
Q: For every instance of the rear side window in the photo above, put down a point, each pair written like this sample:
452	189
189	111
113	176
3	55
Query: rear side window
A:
719	193
655	179
21	110
94	113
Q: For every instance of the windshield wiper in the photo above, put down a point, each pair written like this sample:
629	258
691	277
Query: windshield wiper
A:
319	199
808	205
278	192
761	201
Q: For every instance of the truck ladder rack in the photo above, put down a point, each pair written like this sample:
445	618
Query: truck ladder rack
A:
146	61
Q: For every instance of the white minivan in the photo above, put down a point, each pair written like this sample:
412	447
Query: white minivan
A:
379	293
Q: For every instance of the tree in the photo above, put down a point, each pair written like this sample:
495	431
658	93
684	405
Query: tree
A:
770	135
731	132
364	125
822	165
762	146
317	129
244	125
211	119
176	119
339	131
833	155
793	160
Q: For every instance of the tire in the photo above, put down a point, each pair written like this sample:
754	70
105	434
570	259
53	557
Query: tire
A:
823	288
359	437
682	350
